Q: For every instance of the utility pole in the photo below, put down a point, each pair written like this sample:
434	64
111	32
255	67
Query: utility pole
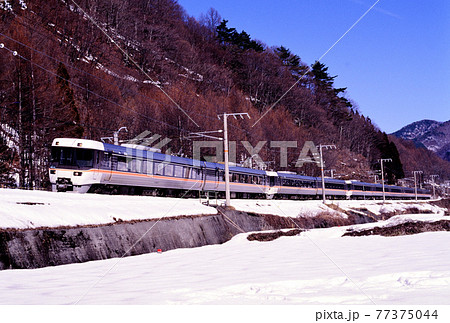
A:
225	149
434	184
321	168
382	175
331	172
204	134
415	181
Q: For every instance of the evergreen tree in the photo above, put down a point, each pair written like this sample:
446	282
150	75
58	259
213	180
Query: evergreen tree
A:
241	40
388	149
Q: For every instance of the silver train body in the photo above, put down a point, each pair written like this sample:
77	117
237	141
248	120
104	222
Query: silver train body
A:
80	165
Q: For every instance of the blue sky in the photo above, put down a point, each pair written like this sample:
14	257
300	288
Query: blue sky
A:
395	63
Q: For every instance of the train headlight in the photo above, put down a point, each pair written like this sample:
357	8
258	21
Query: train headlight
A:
77	173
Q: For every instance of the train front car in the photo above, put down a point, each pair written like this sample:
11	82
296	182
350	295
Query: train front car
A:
74	164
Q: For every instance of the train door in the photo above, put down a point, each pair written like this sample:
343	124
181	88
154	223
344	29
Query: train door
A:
272	181
97	156
217	179
108	164
103	165
202	176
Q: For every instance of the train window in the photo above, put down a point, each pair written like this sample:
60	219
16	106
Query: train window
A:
307	184
195	173
85	157
131	164
114	162
122	164
139	165
168	169
73	156
159	169
149	170
178	172
210	175
106	161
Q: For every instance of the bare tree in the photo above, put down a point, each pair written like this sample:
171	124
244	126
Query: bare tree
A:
211	19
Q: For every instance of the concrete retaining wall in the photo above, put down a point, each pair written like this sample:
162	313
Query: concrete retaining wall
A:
51	247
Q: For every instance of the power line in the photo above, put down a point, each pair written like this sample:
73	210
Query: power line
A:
99	78
38	117
116	85
82	71
90	91
131	59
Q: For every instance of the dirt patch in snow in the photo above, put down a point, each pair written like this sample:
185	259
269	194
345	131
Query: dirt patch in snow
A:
445	203
321	220
269	236
407	228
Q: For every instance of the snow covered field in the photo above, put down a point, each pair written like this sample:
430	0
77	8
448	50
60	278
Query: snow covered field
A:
317	267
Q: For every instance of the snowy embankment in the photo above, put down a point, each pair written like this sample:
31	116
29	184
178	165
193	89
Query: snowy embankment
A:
311	208
285	208
21	209
316	267
389	207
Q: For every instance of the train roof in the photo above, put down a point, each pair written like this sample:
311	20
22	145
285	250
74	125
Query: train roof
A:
334	180
367	184
77	143
126	151
296	176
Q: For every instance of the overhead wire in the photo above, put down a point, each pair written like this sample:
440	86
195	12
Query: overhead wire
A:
38	117
80	70
15	53
116	85
131	59
97	77
126	90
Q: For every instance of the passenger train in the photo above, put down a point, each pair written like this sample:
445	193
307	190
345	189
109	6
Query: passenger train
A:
80	165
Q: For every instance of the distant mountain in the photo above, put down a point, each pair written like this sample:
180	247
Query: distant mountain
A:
433	135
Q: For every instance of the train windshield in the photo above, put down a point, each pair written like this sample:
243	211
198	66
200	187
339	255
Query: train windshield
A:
65	156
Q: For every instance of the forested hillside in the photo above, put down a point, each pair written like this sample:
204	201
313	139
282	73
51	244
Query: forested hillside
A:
86	68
